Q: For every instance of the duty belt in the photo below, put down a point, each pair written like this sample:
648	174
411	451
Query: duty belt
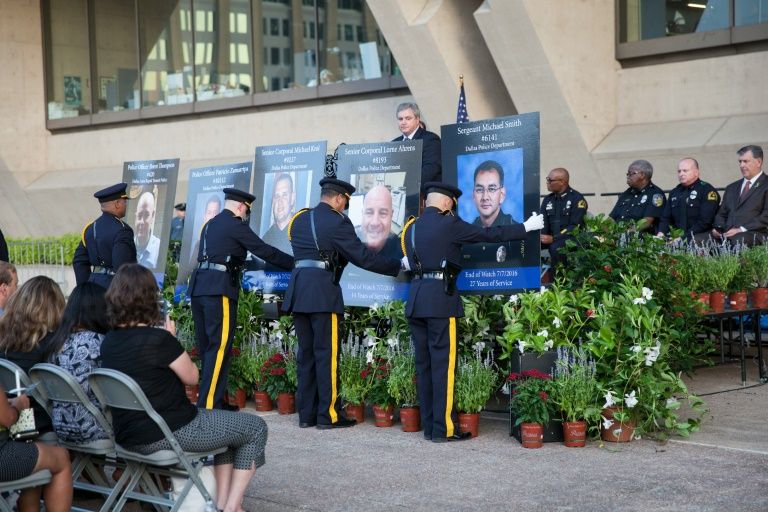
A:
207	265
429	275
311	264
102	270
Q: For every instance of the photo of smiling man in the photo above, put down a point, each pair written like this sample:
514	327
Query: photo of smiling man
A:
375	230
147	244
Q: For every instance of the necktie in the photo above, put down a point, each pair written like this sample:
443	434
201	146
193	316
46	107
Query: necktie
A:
144	258
744	191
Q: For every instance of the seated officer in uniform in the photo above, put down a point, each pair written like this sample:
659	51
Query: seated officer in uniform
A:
215	286
692	204
432	244
564	209
106	243
324	241
643	201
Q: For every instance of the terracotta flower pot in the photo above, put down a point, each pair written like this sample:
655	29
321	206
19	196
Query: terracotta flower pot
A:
617	432
238	399
738	300
286	403
531	435
193	393
575	433
262	401
384	417
759	298
703	301
717	301
410	419
355	412
469	422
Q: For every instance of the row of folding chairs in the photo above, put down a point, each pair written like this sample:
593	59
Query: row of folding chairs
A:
114	390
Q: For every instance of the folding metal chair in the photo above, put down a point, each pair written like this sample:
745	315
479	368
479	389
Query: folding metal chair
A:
115	390
42	477
8	371
60	386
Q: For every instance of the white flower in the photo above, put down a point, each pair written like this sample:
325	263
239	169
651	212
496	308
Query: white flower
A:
606	422
369	356
609	399
375	306
549	344
636	348
392	342
630	400
279	335
639	301
647	293
672	403
513	299
479	346
498	297
274	324
521	346
652	354
543	289
556	322
543	333
371	342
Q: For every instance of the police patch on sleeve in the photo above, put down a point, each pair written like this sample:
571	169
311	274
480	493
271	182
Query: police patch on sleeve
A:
712	196
658	199
581	204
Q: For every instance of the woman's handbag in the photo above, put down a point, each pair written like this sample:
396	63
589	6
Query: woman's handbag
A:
24	428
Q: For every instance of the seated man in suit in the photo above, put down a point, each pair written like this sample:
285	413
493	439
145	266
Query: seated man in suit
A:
411	127
743	214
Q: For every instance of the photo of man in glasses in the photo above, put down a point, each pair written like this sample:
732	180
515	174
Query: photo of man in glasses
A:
489	194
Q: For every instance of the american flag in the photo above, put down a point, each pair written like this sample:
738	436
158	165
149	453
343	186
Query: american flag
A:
461	110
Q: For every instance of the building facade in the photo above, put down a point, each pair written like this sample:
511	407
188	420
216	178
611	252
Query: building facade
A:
88	84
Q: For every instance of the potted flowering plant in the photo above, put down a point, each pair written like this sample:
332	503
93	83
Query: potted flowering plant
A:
238	378
401	385
476	381
278	379
756	266
531	405
354	380
576	392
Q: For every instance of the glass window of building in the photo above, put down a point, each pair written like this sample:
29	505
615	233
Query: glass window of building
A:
750	12
68	71
165	28
116	56
651	19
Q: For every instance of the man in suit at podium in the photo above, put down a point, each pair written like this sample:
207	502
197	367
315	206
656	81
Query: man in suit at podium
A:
412	128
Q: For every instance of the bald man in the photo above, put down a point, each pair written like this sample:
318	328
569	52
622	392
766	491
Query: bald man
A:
564	209
692	204
147	244
375	231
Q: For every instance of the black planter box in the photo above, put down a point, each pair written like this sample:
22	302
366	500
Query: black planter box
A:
553	431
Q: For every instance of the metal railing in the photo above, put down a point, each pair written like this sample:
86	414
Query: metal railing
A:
41	258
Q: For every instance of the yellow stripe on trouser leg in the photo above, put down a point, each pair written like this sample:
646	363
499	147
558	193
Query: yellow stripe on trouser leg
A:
334	359
451	373
220	353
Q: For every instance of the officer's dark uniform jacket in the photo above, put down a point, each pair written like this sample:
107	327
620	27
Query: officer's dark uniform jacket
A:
106	243
636	204
225	240
691	208
440	235
502	219
563	212
312	290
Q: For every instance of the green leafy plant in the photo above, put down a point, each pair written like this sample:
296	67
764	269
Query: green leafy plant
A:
476	381
755	265
576	390
402	379
354	374
722	269
239	371
276	376
531	396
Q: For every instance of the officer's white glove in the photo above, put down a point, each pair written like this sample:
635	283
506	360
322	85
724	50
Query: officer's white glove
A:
534	222
404	263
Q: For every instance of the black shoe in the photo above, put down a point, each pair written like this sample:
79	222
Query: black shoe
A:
428	437
342	423
228	407
461	436
307	424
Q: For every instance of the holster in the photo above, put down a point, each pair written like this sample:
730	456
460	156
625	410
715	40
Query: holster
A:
450	274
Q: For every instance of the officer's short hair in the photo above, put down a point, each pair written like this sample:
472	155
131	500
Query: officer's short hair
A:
490	165
757	151
284	176
329	193
7	271
695	162
643	166
408	105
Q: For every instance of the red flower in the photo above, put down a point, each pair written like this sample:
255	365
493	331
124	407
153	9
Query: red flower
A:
536	374
543	395
608	268
277	371
513	376
194	352
364	374
514	391
590	313
234	352
277	357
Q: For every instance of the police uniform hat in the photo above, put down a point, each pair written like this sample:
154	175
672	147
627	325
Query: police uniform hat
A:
340	186
441	188
182	207
240	196
116	191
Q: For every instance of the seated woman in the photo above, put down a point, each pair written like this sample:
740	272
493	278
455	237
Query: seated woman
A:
76	347
155	359
31	316
19	460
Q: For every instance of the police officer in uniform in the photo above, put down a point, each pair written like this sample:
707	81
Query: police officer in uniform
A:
642	201
692	204
107	242
432	244
215	286
564	209
324	241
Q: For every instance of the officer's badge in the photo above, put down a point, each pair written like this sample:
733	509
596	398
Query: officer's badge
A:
568	204
581	204
549	206
693	194
643	199
658	199
712	196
